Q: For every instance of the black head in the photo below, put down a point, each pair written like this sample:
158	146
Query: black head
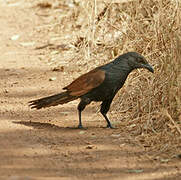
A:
136	60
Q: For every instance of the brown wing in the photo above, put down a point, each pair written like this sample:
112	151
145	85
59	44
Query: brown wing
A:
86	82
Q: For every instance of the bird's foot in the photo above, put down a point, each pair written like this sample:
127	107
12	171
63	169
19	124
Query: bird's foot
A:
80	126
110	126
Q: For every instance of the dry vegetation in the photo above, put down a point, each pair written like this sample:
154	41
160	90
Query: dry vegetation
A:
84	34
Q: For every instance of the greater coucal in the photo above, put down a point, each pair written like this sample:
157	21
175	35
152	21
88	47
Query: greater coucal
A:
99	84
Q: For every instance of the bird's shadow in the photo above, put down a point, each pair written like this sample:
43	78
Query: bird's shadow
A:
53	127
47	126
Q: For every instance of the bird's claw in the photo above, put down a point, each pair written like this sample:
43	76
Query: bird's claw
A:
110	126
80	126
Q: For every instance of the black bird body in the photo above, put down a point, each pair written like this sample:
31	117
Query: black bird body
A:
100	84
112	80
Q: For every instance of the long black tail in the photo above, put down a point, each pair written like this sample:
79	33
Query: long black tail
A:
54	100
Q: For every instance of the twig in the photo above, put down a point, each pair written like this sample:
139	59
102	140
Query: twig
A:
44	46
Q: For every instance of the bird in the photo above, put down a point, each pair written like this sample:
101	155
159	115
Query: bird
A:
100	85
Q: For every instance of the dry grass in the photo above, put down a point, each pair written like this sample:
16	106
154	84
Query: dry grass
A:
94	32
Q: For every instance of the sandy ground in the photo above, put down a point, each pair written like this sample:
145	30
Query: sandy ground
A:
45	144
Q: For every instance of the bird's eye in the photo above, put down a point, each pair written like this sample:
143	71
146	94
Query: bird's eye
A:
141	60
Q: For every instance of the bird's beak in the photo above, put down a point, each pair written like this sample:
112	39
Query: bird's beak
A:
149	67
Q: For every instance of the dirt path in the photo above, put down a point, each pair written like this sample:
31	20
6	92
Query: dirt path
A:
39	144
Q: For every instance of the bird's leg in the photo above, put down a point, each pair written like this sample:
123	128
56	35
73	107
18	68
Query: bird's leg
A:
80	108
108	122
80	121
104	109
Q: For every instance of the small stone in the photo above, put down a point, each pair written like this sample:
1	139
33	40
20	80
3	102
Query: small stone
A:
81	132
52	79
15	37
90	147
164	160
27	44
115	135
6	91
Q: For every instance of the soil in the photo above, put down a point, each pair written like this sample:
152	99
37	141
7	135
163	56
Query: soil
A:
45	144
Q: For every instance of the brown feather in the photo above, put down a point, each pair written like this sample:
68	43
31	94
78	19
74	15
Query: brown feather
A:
86	82
54	100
